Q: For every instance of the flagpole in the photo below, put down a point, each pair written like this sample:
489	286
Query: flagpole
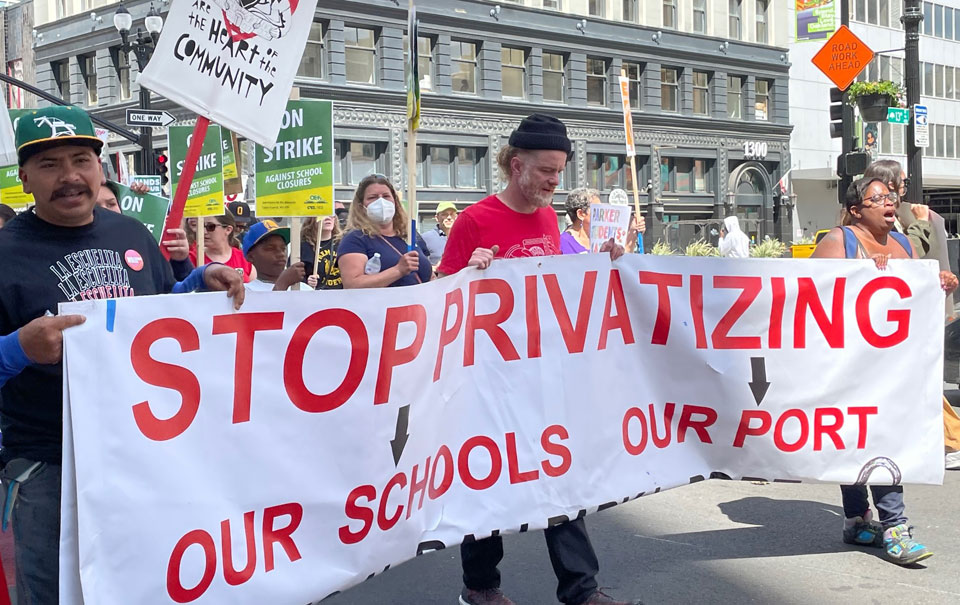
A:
413	123
631	149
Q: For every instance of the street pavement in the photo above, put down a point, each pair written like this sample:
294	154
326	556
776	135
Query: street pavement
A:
716	542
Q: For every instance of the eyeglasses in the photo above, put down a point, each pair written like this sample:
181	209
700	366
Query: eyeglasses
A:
881	199
211	227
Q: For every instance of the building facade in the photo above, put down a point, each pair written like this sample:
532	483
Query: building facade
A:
877	23
709	84
16	51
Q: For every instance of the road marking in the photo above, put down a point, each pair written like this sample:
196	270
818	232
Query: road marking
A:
665	540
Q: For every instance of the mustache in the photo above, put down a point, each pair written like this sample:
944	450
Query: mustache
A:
69	190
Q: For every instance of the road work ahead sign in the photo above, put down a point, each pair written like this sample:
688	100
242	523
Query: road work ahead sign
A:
843	57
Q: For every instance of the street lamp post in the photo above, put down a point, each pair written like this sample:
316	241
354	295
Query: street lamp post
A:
911	18
143	45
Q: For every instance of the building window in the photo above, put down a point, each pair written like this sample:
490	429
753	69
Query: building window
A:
596	81
872	12
928	18
445	167
939	137
311	65
736	14
948	22
554	77
701	93
631	13
938	20
938	81
552	4
891	138
607	171
700	16
425	46
61	74
670	14
121	61
357	159
951	149
513	72
88	68
762	105
928	79
463	59
361	55
884	9
684	175
762	8
735	97
596	8
634	71
669	89
948	83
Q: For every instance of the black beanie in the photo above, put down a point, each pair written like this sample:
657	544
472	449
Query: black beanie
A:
540	131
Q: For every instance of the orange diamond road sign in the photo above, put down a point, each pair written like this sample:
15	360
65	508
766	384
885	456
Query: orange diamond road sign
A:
843	57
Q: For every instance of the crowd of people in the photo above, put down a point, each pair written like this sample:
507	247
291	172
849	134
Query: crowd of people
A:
76	219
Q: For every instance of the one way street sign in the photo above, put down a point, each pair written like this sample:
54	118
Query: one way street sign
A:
149	117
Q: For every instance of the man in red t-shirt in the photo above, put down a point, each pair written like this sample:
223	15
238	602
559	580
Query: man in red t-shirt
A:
519	222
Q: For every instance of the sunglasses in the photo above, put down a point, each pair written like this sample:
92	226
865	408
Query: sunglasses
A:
211	227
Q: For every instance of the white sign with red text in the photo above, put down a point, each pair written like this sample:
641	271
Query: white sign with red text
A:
292	449
232	61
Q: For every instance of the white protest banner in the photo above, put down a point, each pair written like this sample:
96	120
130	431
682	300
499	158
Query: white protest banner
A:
232	61
608	221
291	449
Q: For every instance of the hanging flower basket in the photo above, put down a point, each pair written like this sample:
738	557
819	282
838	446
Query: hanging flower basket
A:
873	108
874	98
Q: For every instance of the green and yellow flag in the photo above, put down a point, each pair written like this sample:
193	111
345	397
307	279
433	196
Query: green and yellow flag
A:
413	71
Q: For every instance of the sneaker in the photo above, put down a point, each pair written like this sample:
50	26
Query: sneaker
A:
599	598
489	596
952	461
900	547
863	531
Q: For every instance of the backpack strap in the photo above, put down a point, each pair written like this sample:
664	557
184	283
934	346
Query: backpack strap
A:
904	241
851	244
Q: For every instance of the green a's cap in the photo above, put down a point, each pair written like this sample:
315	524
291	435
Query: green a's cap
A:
53	126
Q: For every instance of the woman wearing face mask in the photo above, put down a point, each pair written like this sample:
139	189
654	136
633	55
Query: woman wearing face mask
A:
377	225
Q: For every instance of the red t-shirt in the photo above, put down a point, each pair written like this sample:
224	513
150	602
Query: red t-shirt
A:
236	260
490	222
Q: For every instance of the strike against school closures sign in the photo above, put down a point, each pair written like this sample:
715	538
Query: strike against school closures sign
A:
248	476
205	197
295	176
232	61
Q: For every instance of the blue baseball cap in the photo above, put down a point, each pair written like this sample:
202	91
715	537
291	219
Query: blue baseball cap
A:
261	230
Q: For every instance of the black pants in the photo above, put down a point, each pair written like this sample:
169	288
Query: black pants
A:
571	554
887	498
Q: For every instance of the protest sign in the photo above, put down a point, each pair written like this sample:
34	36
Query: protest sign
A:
11	189
608	221
232	61
151	210
152	181
229	151
503	400
8	147
295	176
205	197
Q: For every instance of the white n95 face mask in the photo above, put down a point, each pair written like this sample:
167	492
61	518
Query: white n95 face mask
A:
381	211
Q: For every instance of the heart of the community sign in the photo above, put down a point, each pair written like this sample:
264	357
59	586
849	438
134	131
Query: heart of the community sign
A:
232	61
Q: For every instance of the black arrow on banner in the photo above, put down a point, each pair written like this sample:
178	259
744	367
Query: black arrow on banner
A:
399	440
759	384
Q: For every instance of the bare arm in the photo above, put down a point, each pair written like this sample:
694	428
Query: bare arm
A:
831	246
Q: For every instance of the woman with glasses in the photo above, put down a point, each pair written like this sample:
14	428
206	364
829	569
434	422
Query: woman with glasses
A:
871	208
220	245
913	220
373	253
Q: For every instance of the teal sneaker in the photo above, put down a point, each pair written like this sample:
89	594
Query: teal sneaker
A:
863	531
899	546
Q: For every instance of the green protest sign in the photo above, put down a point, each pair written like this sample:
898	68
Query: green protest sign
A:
11	190
232	183
295	176
205	197
151	210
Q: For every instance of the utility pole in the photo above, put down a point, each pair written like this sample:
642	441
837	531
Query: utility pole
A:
848	141
911	18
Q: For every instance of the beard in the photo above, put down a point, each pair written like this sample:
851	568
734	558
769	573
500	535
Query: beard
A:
532	191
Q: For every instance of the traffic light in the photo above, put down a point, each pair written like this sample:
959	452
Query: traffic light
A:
162	169
836	113
853	163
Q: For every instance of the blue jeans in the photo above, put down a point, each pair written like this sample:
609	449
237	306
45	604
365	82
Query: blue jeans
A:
887	498
36	533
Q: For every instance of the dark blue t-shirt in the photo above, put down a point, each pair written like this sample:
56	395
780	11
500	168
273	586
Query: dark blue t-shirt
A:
357	242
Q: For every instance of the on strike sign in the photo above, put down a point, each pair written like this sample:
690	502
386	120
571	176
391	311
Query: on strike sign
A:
232	61
221	467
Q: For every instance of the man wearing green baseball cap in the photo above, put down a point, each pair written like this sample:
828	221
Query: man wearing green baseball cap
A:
65	248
